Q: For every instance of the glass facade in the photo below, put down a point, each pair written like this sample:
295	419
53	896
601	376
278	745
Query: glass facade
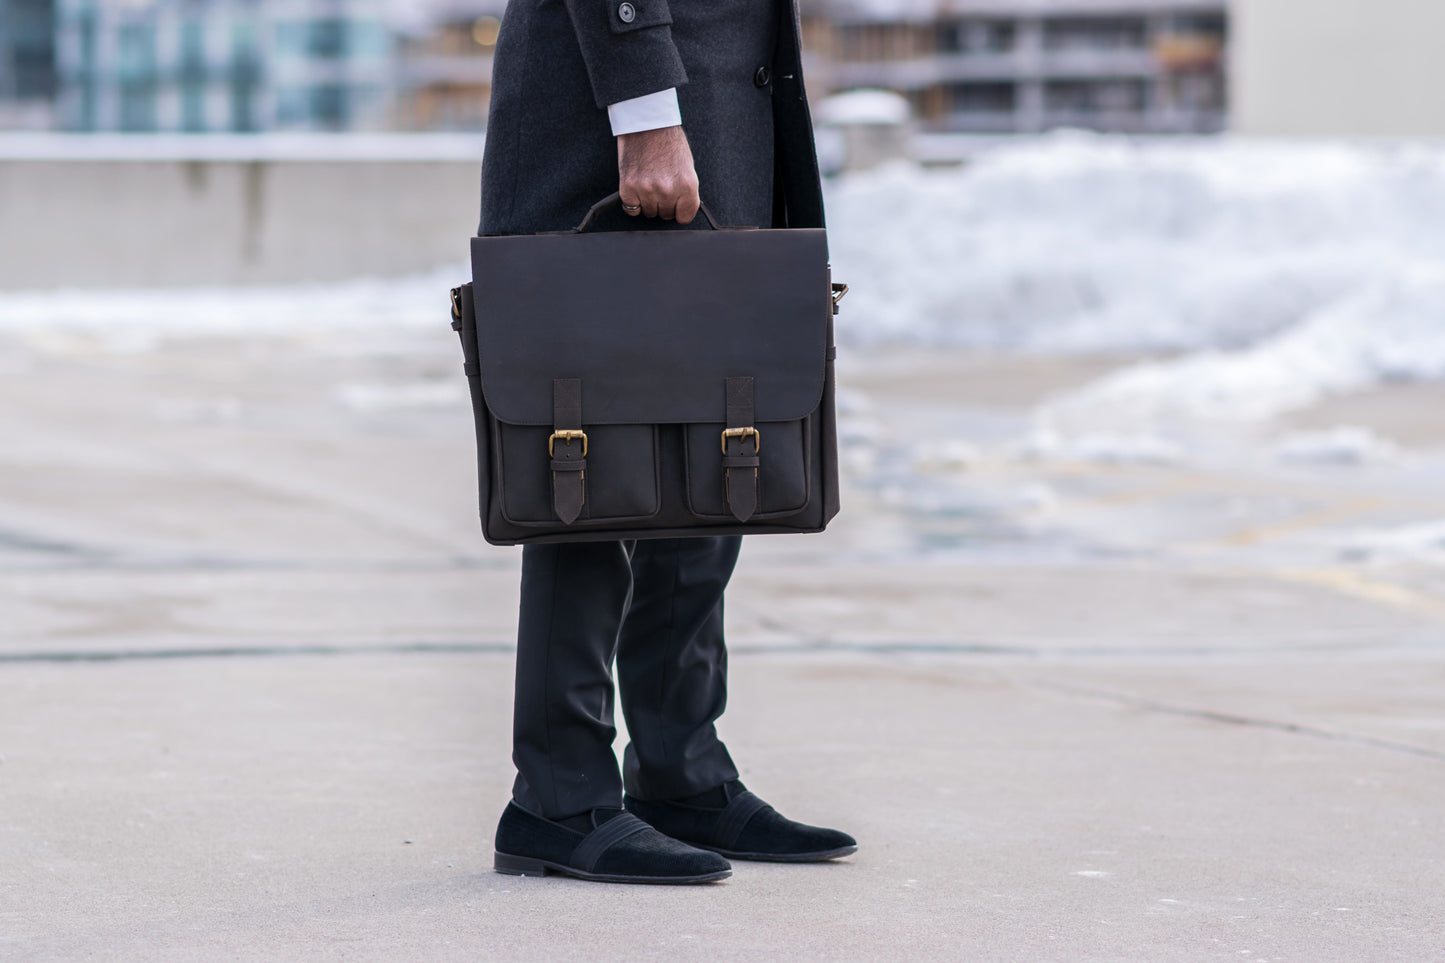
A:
136	74
193	75
27	49
224	65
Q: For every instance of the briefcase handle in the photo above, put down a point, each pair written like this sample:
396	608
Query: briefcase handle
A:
616	198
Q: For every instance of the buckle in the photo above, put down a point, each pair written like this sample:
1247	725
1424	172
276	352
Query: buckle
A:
839	289
456	305
742	433
567	435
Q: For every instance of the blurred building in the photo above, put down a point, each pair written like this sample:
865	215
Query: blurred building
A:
444	65
223	65
1338	67
27	63
1001	66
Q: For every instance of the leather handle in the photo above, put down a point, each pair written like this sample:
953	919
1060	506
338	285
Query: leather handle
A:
616	198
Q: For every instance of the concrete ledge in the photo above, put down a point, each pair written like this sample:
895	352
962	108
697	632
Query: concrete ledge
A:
185	211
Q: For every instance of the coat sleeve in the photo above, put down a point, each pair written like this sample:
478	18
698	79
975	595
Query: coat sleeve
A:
627	46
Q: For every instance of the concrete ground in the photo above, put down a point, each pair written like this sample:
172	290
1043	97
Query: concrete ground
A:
255	664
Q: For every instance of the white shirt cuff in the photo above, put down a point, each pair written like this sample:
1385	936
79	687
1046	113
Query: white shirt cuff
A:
648	112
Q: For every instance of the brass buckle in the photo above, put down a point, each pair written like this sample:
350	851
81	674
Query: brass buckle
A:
839	289
567	435
742	433
456	305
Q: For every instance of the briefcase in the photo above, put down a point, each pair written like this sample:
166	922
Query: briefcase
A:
651	384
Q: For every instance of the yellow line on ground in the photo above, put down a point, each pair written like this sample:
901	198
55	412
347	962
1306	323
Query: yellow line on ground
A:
1350	582
1142	496
1300	523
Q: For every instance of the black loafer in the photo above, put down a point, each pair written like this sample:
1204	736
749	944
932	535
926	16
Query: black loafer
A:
746	828
620	849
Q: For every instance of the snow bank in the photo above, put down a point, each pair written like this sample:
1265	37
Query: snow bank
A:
1393	330
1345	445
1290	270
1416	542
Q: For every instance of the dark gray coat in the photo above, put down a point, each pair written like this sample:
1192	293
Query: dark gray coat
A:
550	152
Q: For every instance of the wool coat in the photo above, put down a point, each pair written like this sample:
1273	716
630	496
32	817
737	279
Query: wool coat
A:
550	153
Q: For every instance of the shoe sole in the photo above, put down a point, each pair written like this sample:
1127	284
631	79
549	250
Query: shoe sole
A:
821	856
509	865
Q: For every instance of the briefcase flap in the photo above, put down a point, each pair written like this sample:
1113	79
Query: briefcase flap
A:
652	322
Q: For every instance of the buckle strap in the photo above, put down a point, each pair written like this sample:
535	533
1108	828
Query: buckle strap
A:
740	460
740	809
568	459
739	402
596	844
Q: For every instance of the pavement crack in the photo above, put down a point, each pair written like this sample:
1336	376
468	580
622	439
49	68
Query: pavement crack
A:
254	652
1236	719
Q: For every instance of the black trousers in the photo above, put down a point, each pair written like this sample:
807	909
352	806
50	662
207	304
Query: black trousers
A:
656	607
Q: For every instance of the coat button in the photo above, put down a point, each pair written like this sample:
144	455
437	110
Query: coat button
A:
762	77
627	13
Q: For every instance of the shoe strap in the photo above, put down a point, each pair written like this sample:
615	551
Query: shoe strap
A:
735	816
603	838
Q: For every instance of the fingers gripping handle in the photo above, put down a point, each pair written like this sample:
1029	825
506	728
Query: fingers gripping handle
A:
615	198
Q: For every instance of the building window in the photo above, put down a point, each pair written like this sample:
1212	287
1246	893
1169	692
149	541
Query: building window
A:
326	39
136	69
245	77
291	39
978	98
1095	33
293	106
137	108
329	38
975	36
192	77
137	55
27	41
369	40
1123	95
328	106
193	46
85	34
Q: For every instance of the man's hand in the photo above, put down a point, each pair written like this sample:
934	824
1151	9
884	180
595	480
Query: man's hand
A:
656	176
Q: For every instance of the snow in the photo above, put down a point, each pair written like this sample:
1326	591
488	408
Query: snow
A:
136	318
1345	445
1415	542
867	107
1282	271
1116	448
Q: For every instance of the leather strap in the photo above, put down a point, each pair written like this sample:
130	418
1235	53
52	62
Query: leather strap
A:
569	455
603	838
740	454
462	308
735	816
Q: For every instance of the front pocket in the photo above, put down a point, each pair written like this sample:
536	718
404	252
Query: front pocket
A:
621	483
784	469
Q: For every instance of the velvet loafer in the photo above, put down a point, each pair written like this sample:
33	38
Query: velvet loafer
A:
620	849
745	828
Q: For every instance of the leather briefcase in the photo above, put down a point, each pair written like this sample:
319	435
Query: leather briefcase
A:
650	384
